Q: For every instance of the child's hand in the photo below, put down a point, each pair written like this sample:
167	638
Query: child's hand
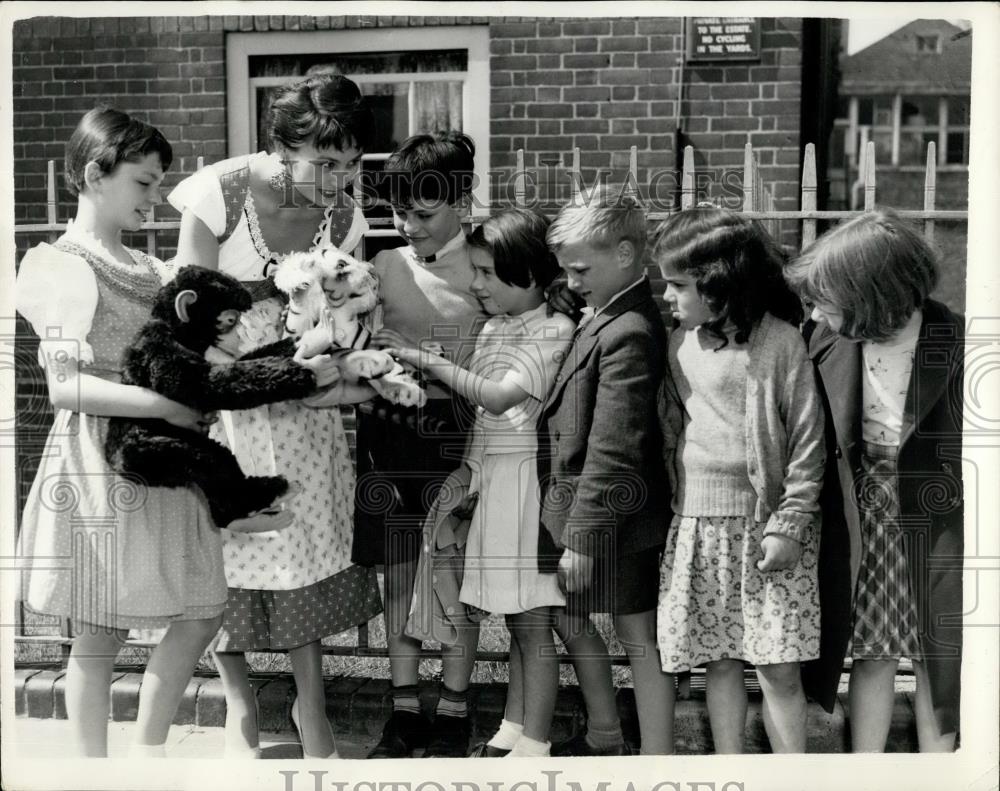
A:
386	337
561	299
780	552
317	339
325	366
187	418
575	571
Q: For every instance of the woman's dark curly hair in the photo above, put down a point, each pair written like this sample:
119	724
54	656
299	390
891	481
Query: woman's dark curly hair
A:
324	109
737	268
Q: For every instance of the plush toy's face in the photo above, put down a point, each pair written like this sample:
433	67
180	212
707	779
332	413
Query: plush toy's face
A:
349	286
202	305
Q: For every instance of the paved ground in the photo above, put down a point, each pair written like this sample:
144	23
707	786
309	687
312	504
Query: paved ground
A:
34	739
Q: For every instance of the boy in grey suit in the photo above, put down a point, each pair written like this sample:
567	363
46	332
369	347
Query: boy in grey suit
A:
605	495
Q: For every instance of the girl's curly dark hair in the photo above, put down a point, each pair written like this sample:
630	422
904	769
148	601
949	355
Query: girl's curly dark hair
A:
737	268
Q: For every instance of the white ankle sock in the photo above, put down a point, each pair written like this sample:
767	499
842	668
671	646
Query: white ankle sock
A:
147	751
507	735
529	748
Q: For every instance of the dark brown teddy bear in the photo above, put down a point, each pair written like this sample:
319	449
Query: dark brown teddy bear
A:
190	314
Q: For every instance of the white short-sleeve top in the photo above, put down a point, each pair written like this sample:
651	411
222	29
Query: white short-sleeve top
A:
526	349
219	196
83	303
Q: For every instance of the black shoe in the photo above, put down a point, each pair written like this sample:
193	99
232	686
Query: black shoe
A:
449	737
578	745
484	750
403	733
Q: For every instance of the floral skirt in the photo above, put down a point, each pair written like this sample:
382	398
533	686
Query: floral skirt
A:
716	604
885	614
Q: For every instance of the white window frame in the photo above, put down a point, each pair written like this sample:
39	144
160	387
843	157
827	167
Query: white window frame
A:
240	47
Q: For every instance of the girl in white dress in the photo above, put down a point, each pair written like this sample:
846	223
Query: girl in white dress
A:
517	354
287	590
112	555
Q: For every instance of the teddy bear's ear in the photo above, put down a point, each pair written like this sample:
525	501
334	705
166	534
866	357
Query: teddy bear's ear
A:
182	304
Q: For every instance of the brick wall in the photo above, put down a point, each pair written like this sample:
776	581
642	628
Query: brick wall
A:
756	102
600	84
604	85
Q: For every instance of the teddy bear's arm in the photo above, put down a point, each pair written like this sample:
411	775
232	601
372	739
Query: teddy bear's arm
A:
245	384
159	362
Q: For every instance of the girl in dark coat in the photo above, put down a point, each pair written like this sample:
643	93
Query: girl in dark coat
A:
889	362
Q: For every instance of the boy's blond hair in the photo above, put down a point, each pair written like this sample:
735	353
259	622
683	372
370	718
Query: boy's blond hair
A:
602	217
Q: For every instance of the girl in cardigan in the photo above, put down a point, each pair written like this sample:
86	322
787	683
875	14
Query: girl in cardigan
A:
744	450
890	366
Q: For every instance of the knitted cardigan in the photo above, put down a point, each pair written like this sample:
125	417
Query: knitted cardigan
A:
784	430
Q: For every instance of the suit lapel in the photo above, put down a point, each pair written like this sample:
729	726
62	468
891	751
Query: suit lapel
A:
839	361
586	337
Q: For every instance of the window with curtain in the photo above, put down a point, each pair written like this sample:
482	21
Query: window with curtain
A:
420	79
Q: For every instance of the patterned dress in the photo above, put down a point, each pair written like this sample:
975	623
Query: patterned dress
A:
501	563
97	548
298	585
886	622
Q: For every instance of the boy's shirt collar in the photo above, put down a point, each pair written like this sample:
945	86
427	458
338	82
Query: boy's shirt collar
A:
629	287
450	246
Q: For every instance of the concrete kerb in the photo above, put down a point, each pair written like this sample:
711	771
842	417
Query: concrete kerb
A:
360	706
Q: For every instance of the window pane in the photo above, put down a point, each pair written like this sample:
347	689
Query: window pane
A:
843	106
958	111
920	111
391	105
437	106
264	96
958	148
883	148
866	110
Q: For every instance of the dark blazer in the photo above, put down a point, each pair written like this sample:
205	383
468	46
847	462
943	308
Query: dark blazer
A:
931	502
600	461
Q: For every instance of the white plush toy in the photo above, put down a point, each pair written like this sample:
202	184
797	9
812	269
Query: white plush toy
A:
328	293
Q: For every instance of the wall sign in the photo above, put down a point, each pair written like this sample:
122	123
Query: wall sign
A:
723	38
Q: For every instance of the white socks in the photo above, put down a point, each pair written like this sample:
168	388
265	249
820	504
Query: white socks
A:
507	735
529	748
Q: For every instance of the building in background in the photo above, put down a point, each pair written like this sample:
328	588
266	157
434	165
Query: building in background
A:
908	89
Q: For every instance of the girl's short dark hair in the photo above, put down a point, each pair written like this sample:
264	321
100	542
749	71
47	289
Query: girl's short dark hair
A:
429	169
515	239
108	137
325	109
876	268
736	266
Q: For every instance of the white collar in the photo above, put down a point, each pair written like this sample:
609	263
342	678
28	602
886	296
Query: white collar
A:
449	247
